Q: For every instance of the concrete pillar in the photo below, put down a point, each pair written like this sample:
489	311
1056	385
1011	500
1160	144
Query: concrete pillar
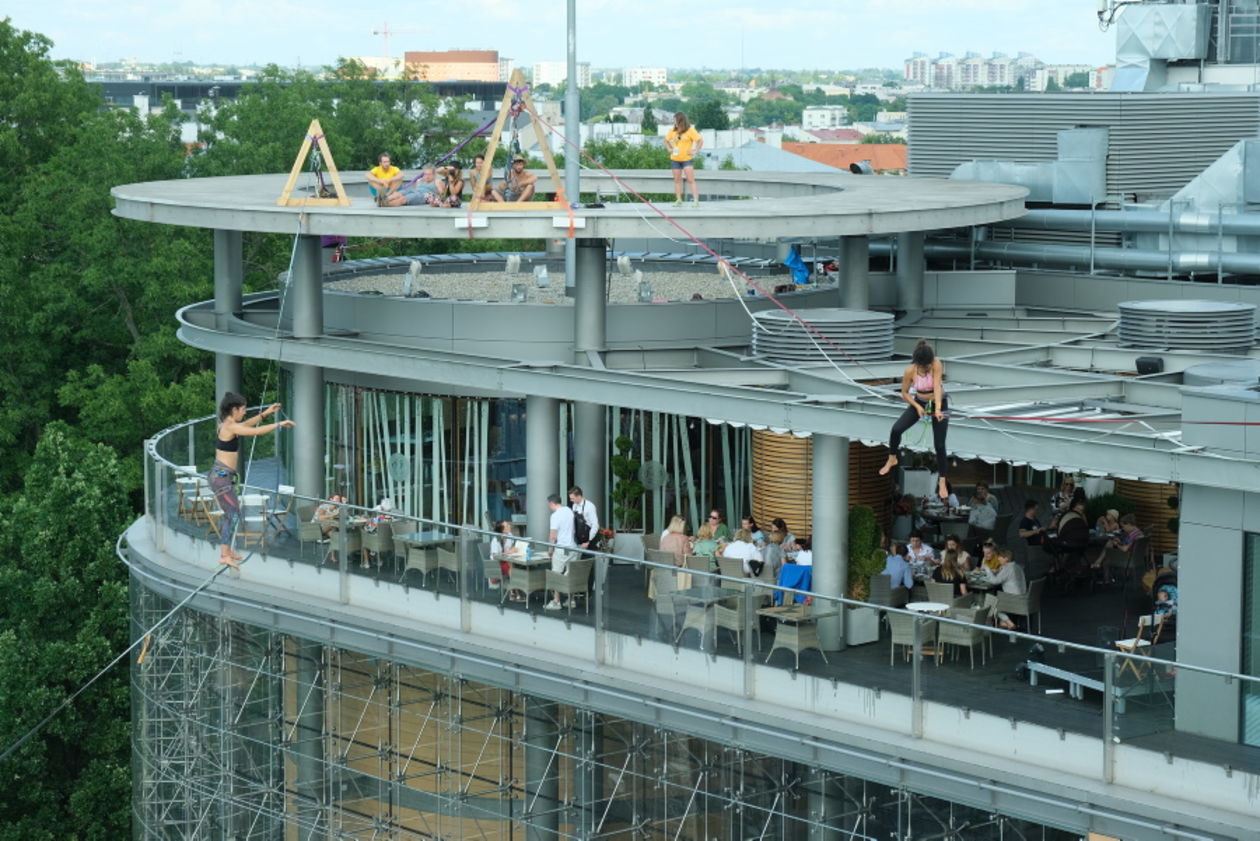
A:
831	530
229	273
542	454
590	420
308	436
308	732
910	267
855	268
305	298
542	774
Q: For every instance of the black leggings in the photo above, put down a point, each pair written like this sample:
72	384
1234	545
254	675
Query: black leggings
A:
939	427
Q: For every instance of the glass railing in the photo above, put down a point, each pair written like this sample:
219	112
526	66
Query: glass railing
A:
944	658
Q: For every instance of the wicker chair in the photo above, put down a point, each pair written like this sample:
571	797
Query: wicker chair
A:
573	582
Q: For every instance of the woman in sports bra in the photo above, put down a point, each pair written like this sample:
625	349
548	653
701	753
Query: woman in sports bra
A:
924	376
227	445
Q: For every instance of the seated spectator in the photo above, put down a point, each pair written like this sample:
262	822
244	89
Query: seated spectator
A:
788	538
983	508
921	554
746	551
327	514
804	551
1129	533
953	544
1010	578
675	539
1073	534
423	192
474	175
898	569
950	573
502	545
519	184
1062	498
989	556
1108	523
750	524
384	178
1030	528
721	530
951	498
705	543
450	184
772	552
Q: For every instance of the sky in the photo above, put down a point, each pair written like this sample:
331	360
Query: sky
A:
787	34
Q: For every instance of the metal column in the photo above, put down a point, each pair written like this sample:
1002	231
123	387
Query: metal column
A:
824	805
306	304
542	772
590	420
910	268
573	136
306	738
542	454
831	530
229	273
855	269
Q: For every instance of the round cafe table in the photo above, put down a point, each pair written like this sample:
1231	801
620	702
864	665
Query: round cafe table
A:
937	608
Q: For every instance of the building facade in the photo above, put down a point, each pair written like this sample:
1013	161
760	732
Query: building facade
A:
454	65
555	73
633	77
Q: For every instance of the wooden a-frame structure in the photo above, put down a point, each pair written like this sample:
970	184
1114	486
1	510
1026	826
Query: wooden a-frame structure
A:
314	133
518	84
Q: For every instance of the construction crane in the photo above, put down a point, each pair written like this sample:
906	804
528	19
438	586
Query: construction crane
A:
385	32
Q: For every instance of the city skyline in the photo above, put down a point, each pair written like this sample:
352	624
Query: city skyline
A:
809	34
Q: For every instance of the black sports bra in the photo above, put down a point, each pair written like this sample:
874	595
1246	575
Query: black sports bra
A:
227	446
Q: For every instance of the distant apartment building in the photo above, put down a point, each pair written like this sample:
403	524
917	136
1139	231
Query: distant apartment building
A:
450	65
554	73
1040	78
951	73
824	116
632	77
506	66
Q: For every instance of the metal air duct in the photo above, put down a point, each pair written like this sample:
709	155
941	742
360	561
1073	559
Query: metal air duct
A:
1220	326
836	335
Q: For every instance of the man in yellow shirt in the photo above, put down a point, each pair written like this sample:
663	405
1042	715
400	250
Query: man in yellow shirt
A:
384	178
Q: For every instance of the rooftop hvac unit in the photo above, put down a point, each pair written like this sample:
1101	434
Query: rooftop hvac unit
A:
1213	326
837	335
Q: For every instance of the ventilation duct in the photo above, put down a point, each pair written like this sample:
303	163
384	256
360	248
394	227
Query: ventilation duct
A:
1079	176
1149	35
1243	373
836	335
1219	326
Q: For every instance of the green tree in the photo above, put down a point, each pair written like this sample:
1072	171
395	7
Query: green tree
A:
1052	85
883	137
63	618
648	124
764	112
1077	80
709	114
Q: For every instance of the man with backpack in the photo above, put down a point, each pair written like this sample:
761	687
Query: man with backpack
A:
585	518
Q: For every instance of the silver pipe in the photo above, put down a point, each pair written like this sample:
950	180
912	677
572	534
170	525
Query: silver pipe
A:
1138	259
1139	221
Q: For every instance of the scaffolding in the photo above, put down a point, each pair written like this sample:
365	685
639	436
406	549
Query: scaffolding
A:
246	734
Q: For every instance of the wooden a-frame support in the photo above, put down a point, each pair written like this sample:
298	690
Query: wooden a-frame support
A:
315	133
518	83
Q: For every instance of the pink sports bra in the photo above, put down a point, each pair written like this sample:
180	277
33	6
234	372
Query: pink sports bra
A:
923	383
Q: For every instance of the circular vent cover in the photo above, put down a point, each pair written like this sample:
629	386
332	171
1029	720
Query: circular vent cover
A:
1188	325
835	334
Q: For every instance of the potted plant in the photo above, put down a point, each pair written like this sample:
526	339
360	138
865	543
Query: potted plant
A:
861	624
626	496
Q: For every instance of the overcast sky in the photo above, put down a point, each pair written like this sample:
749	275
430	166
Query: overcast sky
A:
793	34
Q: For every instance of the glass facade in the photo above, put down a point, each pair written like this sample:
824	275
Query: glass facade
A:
244	733
1251	639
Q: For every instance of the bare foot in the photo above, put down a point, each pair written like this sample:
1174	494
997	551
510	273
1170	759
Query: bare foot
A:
230	560
941	490
888	465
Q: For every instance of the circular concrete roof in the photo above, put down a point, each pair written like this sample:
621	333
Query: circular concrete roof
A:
769	204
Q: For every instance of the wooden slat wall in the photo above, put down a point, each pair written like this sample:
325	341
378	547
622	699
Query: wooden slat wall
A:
1152	509
783	475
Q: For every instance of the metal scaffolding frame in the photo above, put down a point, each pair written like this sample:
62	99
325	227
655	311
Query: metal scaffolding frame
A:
246	734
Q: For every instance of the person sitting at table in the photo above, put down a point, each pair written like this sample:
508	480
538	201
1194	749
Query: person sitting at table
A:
781	525
921	554
772	552
983	508
1030	528
898	569
804	551
675	539
1129	533
950	573
954	544
717	519
1108	523
746	551
750	524
1010	579
503	544
989	556
1062	499
705	543
327	514
951	498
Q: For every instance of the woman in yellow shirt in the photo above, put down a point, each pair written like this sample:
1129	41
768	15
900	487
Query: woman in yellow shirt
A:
683	142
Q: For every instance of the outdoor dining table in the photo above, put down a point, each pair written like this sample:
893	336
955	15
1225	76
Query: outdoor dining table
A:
528	574
795	629
700	604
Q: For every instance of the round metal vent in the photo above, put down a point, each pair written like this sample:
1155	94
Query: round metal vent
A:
1188	325
1244	372
837	335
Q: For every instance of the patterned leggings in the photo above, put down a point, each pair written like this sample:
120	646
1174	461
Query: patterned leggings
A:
223	483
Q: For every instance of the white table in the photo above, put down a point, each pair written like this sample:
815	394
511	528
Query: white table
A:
935	608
